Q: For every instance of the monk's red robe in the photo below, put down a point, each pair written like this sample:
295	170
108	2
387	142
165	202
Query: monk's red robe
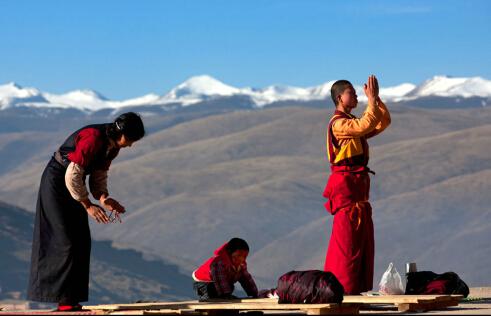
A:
351	250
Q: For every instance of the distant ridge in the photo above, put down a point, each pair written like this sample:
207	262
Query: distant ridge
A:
204	88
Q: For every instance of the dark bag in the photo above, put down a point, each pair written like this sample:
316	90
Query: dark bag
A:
310	287
427	282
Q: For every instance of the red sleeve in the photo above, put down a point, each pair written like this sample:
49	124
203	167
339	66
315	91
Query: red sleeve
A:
248	283
87	144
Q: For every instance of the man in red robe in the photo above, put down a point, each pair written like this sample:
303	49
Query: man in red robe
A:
350	255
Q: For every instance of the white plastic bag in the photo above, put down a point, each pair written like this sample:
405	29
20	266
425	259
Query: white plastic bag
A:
391	283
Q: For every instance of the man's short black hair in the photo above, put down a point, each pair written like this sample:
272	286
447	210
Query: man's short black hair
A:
338	88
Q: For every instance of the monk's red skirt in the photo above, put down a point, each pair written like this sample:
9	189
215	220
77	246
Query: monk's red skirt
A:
350	255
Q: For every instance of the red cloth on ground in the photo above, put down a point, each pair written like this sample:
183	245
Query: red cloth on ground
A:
436	287
351	252
69	308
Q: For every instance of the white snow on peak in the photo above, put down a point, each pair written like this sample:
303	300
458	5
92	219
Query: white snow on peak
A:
446	86
200	88
397	92
322	91
389	94
197	89
12	89
148	99
275	93
12	94
81	99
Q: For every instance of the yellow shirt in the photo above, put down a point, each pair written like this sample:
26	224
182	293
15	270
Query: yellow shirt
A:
348	131
374	120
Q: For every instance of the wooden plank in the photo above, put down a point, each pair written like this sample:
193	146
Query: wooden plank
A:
406	307
174	305
155	312
338	310
424	306
409	303
351	305
311	309
217	307
258	306
137	306
397	299
421	307
171	312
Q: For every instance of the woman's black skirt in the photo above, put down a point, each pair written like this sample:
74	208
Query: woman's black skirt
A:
61	243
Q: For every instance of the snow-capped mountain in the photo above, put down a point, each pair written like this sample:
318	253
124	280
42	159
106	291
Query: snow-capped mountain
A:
86	99
444	86
276	93
11	94
197	89
205	88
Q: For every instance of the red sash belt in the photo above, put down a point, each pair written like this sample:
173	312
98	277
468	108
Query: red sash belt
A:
347	189
352	169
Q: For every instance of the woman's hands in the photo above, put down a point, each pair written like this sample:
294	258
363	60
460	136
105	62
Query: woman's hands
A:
111	205
99	214
96	212
371	89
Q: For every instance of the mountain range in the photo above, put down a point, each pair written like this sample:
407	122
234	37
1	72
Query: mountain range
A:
199	89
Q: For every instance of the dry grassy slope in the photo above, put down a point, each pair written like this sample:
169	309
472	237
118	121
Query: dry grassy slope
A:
411	123
184	143
411	164
259	175
205	128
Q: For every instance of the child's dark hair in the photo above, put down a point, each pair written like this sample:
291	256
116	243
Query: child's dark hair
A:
128	124
235	244
338	88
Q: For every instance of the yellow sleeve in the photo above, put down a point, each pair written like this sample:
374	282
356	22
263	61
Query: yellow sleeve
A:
384	121
357	127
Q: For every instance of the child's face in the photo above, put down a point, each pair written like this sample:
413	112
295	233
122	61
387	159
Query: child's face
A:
349	98
238	257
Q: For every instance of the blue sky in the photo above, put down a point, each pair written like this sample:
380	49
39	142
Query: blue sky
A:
125	49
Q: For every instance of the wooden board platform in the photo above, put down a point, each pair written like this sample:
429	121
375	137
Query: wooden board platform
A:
218	307
408	303
351	305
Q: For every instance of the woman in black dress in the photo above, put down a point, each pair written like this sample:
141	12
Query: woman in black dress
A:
61	241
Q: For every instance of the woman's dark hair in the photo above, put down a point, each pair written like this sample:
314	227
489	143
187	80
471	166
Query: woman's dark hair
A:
235	244
128	124
338	88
